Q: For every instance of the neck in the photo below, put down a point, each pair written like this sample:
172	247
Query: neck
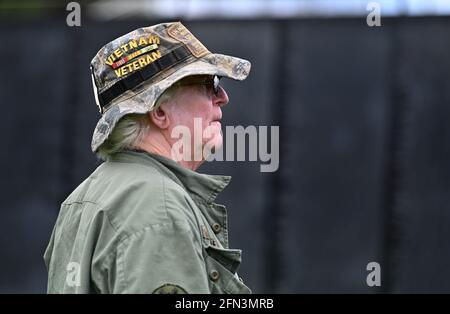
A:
160	146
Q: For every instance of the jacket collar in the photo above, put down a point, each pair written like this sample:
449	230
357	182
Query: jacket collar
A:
200	186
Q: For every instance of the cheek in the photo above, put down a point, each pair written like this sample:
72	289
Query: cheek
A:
203	109
190	107
183	116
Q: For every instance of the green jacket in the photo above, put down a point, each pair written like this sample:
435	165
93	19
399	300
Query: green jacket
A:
141	223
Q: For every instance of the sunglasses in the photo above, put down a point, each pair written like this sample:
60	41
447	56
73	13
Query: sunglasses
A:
211	82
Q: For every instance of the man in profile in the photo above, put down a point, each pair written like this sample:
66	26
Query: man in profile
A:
145	221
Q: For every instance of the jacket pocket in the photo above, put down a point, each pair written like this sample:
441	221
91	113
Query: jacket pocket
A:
221	265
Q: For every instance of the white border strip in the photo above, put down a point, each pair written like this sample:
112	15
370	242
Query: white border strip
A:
193	9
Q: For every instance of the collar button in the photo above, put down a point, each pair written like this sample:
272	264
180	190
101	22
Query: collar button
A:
214	274
216	227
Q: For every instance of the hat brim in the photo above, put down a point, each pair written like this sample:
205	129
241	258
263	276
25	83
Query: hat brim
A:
143	98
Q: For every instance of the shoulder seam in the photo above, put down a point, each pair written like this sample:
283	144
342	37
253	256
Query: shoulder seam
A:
79	202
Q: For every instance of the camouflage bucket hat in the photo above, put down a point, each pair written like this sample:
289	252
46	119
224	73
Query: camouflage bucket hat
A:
130	73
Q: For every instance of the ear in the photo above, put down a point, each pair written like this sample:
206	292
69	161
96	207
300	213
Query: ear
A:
160	117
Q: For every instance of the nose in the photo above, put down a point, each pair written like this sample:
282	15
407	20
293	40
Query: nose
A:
221	99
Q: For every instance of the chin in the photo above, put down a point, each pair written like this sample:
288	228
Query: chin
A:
213	144
218	140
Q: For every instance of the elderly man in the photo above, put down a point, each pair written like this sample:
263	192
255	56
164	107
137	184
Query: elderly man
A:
144	221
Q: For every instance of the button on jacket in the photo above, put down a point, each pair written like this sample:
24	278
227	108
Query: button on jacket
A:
141	223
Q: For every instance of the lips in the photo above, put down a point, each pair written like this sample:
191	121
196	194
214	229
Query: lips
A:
218	118
216	123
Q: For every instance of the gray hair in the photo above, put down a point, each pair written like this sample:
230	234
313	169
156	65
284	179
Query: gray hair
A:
130	130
